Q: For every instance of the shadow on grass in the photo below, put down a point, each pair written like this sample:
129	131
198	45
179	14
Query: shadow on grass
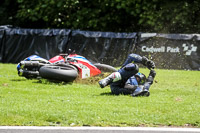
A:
52	82
17	80
106	94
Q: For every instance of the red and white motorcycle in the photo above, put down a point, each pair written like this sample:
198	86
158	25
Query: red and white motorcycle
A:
63	67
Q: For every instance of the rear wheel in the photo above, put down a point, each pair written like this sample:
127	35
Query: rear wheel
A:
67	73
105	67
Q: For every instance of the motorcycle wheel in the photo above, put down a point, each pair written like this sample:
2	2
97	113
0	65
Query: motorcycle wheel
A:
105	67
67	73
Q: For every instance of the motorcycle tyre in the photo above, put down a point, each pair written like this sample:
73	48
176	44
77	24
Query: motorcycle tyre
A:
105	67
67	73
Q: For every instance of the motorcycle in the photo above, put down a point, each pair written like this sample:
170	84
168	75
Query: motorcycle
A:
63	67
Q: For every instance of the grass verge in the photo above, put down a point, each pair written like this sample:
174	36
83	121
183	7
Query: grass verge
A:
174	101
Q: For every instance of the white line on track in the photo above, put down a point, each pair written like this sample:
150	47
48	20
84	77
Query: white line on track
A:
102	128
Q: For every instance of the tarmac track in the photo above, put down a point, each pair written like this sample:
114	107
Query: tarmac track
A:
33	129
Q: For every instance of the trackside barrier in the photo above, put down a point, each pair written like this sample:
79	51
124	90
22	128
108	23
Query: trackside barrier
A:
104	47
21	43
169	51
1	44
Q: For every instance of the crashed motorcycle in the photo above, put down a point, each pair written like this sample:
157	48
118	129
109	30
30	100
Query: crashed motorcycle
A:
63	67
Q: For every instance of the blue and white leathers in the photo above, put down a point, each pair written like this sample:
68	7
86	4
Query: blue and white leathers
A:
128	71
132	81
139	88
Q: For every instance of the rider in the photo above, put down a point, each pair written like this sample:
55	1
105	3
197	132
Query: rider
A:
128	79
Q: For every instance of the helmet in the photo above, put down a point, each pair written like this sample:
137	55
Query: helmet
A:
142	78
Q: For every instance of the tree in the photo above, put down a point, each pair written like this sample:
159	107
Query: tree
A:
176	16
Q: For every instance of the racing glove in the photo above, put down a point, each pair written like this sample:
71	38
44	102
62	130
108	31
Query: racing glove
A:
148	63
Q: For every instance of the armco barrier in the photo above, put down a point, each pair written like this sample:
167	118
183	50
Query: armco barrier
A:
168	51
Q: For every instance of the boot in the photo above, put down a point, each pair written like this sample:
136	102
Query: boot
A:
116	76
104	82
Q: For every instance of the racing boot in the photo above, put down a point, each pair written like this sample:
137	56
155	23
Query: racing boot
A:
116	76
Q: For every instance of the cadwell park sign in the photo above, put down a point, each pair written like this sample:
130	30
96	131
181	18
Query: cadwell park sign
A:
171	51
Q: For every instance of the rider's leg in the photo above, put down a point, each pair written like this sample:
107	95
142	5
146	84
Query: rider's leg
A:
123	74
132	58
115	76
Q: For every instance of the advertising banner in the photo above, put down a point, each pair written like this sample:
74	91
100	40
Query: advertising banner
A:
171	51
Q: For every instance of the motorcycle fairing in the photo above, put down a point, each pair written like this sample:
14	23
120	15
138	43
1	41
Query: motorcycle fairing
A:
86	68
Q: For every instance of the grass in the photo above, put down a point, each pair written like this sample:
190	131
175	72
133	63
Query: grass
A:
174	101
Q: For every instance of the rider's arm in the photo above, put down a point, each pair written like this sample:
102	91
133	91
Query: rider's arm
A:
143	90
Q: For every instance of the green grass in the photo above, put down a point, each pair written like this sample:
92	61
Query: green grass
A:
174	101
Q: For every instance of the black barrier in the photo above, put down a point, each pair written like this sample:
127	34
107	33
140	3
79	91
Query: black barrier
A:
103	47
1	44
171	51
21	43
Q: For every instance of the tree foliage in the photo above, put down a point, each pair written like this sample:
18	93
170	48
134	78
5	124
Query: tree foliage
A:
176	16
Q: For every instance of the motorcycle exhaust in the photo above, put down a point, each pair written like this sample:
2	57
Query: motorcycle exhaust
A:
27	73
29	64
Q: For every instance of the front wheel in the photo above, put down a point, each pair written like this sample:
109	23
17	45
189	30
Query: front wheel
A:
67	73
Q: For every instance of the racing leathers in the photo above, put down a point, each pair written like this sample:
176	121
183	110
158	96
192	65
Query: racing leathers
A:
125	81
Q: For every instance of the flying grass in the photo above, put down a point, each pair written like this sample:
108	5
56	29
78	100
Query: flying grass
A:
174	101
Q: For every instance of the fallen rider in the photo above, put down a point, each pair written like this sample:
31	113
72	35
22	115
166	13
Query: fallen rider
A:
128	79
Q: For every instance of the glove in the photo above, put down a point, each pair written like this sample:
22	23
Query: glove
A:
152	73
150	64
